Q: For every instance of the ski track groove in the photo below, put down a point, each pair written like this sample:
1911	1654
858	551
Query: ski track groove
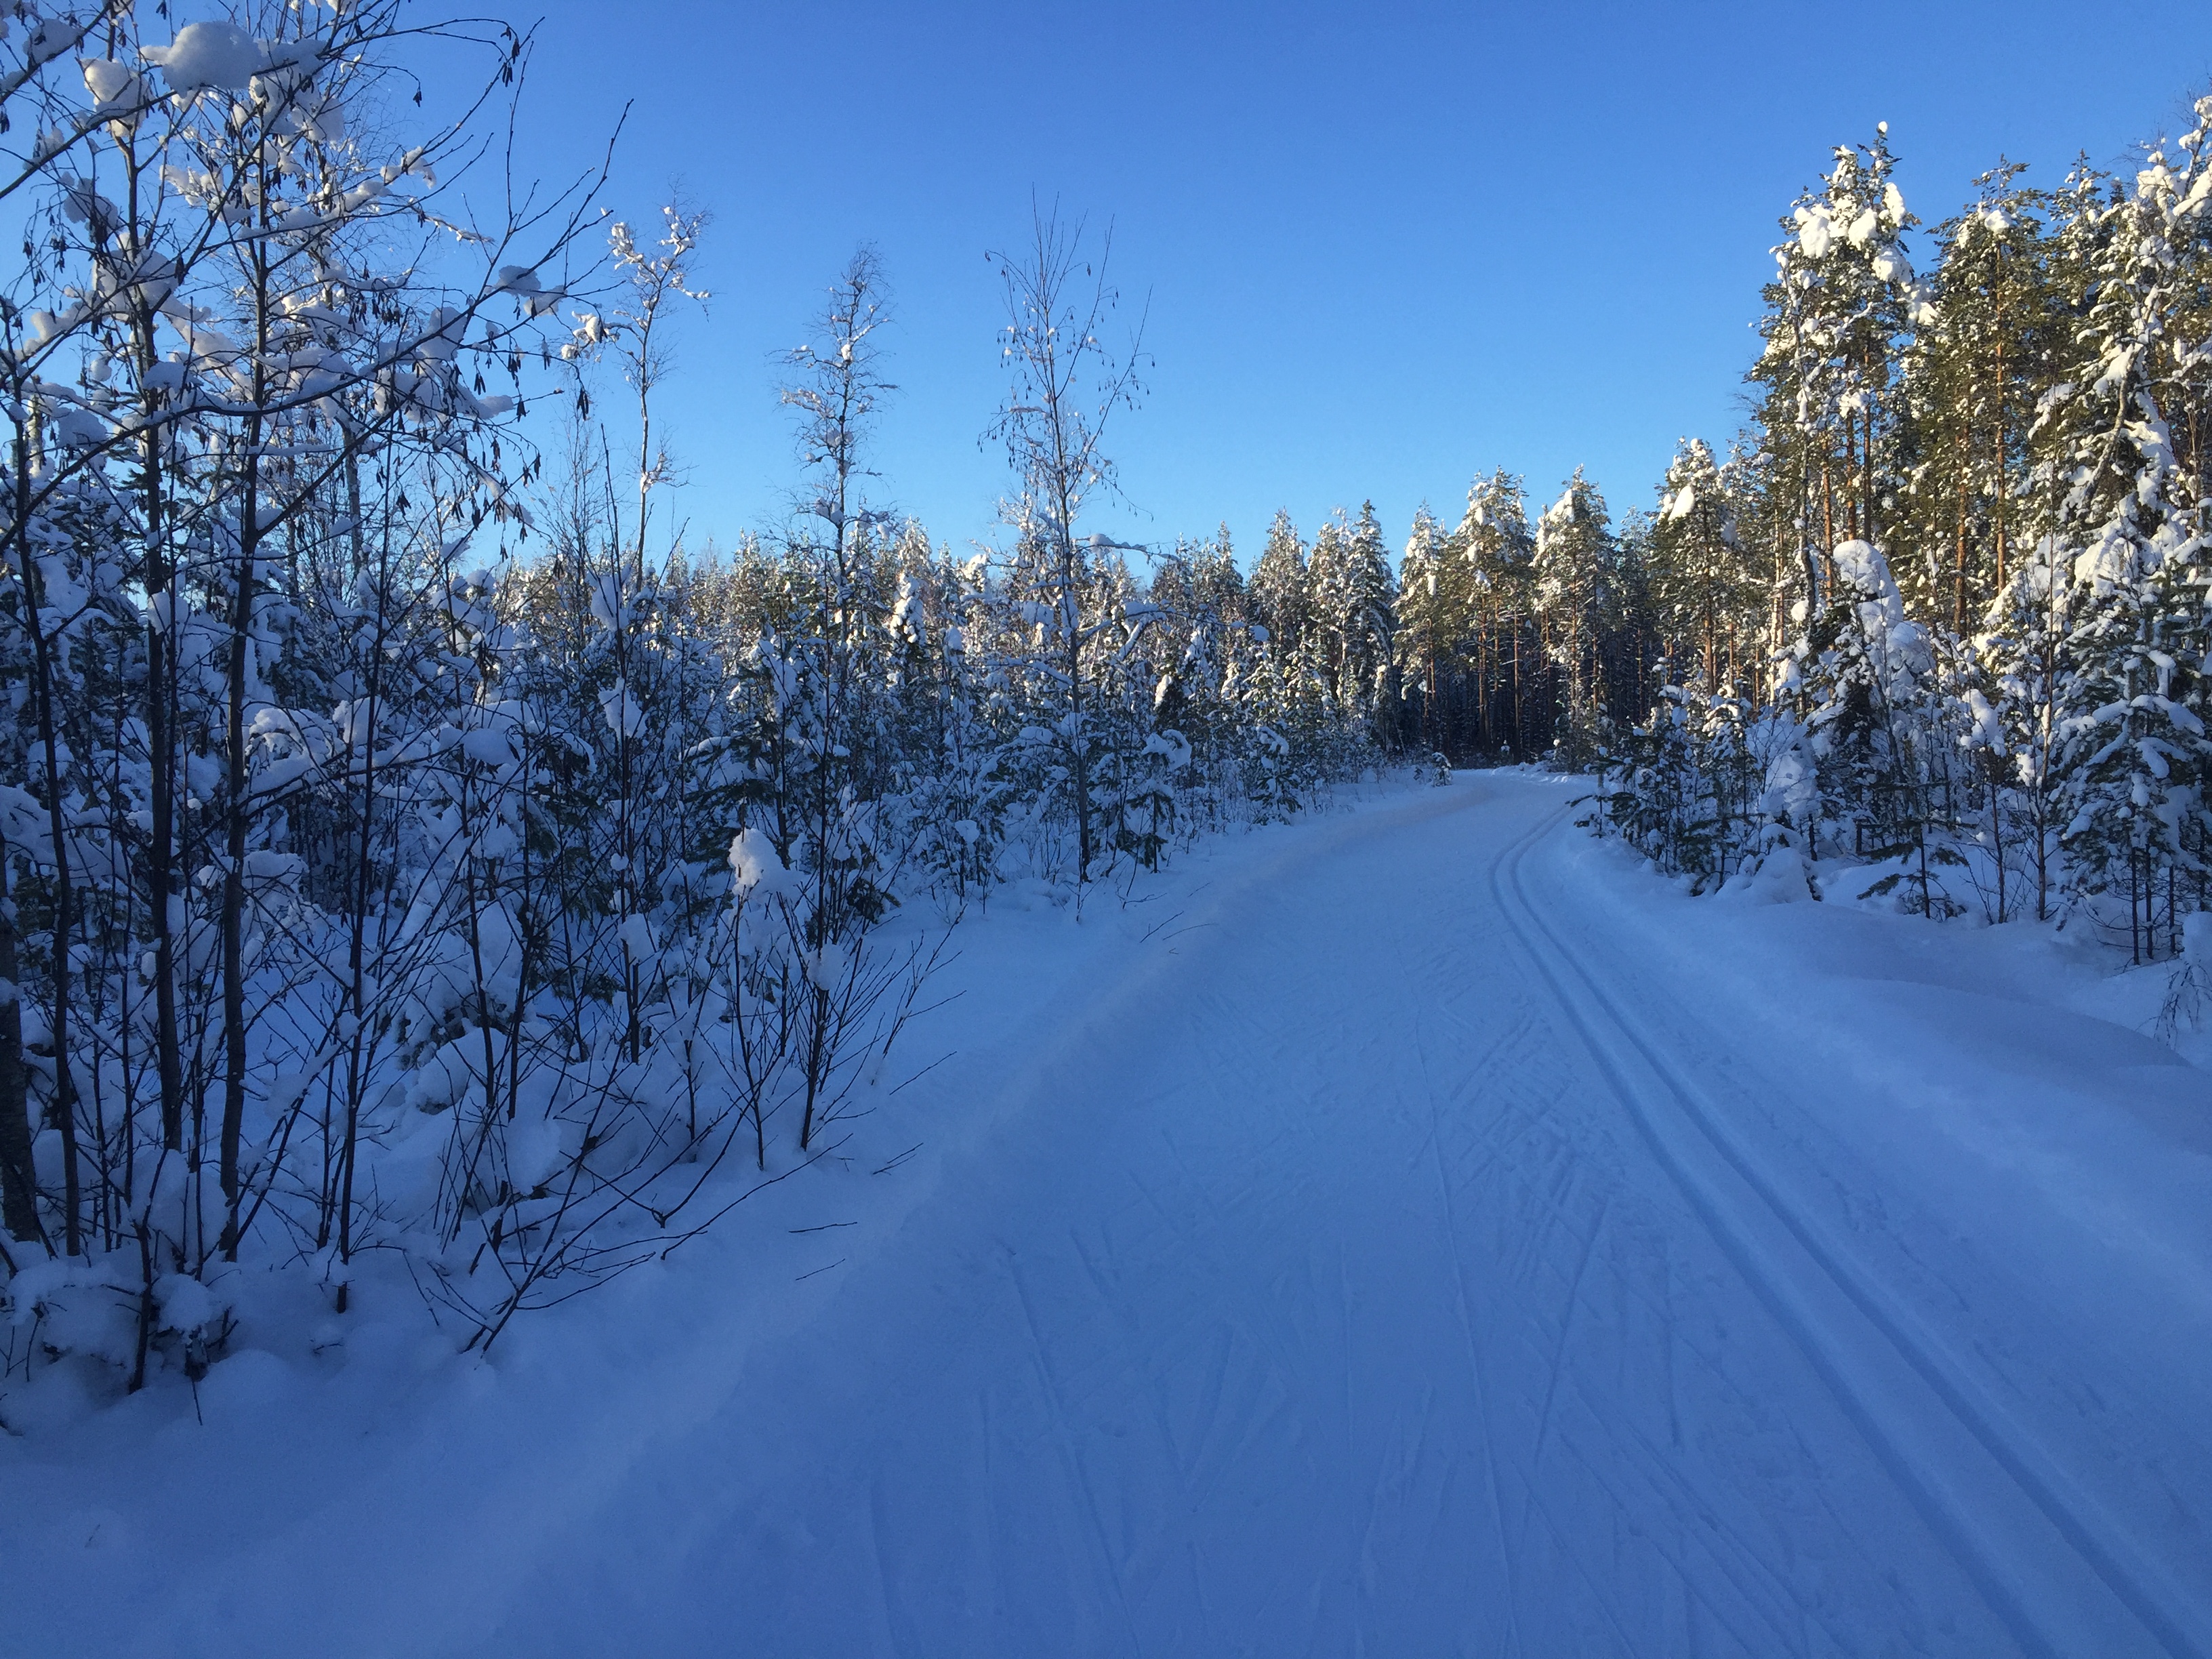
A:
2038	1487
1955	1530
2076	1517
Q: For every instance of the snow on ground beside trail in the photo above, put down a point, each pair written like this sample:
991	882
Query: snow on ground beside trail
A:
2027	1051
2022	1047
1419	1229
377	1417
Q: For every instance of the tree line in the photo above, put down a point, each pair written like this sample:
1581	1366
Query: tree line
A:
1938	611
1969	527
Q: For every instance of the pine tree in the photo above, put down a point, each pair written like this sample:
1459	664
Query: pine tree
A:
1837	312
1494	539
1706	595
1577	595
1986	342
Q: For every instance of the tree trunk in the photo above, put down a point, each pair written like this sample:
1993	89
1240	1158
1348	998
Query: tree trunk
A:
19	1207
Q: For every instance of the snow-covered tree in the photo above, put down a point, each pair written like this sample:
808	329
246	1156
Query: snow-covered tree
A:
1985	341
1576	575
1066	387
1280	599
1843	299
2131	752
1706	595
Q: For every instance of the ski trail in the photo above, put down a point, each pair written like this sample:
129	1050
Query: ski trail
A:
1557	1366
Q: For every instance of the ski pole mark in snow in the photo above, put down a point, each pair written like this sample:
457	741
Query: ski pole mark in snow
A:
1558	1367
1070	1455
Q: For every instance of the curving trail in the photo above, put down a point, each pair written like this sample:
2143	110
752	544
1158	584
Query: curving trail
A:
1392	1269
1383	1259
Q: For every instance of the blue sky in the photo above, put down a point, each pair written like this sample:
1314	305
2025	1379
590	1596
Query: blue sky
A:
1383	246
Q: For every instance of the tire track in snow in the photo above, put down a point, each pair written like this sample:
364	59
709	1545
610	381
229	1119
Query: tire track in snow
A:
2029	1602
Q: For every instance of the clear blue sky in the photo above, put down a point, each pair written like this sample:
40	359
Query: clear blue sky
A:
1384	247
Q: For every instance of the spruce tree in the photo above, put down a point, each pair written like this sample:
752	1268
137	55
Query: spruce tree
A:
2130	751
1366	620
1278	599
1435	591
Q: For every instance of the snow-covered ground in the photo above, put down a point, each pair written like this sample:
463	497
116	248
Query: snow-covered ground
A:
1417	1231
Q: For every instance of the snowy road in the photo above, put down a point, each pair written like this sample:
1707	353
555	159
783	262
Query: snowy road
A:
1377	1259
1388	1268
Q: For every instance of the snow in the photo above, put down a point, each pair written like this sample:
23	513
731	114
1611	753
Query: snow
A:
115	89
1420	1229
625	713
754	865
186	1304
1815	232
637	940
216	53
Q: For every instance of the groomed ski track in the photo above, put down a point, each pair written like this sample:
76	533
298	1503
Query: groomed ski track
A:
1383	1260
